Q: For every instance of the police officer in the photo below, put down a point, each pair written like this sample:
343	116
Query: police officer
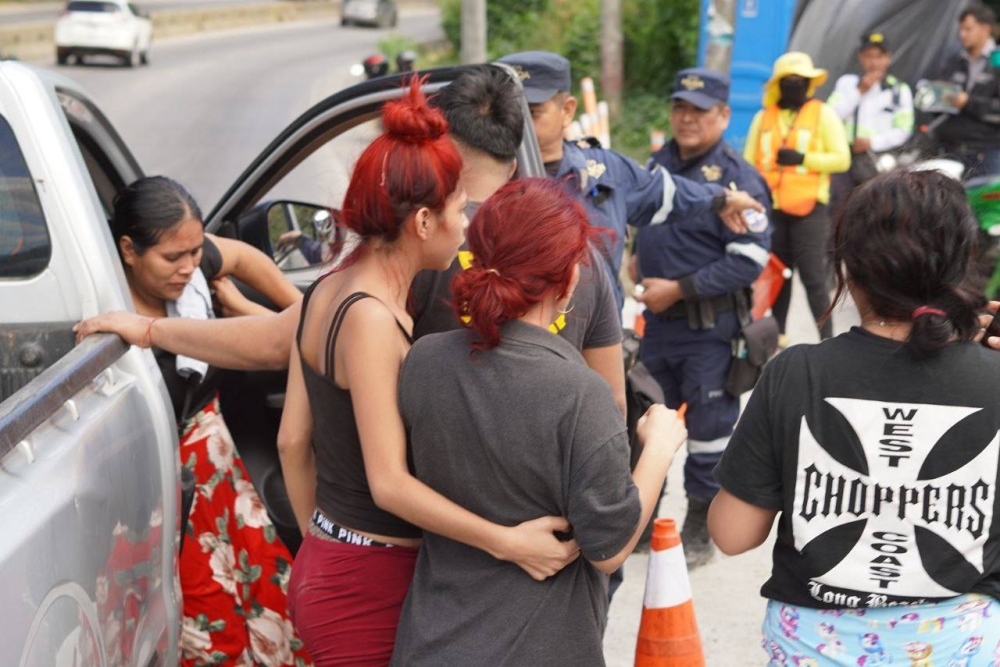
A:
877	110
695	275
616	191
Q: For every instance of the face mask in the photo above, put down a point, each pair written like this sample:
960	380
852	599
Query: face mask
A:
793	92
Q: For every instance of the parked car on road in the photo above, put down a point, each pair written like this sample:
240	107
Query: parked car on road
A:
89	459
103	28
377	13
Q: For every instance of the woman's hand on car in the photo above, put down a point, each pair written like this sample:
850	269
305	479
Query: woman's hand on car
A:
663	429
534	547
131	327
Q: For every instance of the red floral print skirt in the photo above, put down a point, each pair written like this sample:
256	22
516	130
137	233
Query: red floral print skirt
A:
234	570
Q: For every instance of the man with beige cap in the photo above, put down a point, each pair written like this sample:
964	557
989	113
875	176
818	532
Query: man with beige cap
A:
797	141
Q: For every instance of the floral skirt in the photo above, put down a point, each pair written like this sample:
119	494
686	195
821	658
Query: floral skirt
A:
961	632
234	570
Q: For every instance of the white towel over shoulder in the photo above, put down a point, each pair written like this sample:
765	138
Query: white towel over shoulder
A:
194	303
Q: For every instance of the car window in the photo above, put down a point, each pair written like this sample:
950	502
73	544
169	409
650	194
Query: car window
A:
109	163
25	247
314	191
92	6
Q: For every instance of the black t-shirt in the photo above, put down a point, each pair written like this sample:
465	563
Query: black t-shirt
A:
177	386
593	321
883	469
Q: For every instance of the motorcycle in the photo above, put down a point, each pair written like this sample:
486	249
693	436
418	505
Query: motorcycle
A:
923	152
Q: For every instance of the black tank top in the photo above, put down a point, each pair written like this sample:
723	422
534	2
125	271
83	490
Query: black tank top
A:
342	491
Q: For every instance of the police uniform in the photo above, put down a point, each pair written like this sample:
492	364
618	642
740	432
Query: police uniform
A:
688	347
615	190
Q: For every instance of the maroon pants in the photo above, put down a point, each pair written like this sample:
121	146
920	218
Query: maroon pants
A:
345	600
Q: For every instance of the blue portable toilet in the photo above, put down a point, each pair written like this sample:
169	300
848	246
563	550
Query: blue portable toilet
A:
759	36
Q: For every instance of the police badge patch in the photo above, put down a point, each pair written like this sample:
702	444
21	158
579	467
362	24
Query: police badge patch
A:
692	82
711	172
595	169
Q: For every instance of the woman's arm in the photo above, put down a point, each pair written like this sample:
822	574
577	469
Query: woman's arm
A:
835	156
257	270
371	353
737	526
298	462
607	362
241	343
661	432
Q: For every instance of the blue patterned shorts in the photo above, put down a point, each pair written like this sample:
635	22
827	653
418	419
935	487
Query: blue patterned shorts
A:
961	632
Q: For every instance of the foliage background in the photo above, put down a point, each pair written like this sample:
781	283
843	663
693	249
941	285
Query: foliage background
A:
661	37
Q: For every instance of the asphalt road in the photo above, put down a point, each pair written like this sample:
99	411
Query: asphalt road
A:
37	12
209	104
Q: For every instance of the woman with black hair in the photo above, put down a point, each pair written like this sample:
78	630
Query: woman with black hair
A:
879	448
234	570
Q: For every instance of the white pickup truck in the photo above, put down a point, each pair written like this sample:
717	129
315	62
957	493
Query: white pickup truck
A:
89	467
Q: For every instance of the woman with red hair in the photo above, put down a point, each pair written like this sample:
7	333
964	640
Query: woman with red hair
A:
342	441
507	420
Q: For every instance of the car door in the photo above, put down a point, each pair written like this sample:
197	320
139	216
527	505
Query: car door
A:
252	401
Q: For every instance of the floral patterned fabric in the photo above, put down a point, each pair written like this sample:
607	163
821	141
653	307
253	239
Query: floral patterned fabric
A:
234	570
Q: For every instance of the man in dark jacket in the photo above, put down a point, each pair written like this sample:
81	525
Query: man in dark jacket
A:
973	134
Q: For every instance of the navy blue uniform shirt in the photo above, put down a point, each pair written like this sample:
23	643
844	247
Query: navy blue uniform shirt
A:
699	250
617	192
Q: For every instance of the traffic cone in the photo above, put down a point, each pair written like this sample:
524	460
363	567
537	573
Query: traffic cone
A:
668	633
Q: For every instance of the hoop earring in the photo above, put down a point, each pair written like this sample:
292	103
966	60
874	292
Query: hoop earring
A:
568	310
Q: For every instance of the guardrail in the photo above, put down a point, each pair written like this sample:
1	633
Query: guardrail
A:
38	400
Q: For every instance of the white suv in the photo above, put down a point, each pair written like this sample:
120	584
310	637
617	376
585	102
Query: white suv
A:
103	27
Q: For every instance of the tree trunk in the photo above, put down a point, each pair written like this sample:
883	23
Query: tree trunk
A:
611	55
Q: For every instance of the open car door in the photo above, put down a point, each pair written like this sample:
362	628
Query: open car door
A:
287	204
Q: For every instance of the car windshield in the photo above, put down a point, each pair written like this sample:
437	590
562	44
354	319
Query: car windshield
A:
90	6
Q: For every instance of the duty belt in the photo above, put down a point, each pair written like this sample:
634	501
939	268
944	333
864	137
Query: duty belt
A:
700	314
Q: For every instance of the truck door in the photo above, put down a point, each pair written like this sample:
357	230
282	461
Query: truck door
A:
88	463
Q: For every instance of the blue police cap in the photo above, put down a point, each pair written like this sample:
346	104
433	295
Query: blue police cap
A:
702	87
542	73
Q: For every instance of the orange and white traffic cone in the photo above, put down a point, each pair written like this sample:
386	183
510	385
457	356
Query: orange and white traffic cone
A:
668	633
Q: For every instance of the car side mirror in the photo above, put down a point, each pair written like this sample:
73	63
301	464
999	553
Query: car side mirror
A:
296	234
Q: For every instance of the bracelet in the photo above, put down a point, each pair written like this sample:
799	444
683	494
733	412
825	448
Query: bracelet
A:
146	341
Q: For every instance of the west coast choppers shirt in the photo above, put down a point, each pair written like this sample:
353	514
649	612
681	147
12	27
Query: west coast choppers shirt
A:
883	469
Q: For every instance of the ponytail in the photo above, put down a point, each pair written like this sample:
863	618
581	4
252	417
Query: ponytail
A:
526	241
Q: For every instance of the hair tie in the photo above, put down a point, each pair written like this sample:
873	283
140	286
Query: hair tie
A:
927	310
493	271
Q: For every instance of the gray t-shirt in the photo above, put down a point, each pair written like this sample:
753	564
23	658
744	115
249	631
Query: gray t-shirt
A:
594	321
518	432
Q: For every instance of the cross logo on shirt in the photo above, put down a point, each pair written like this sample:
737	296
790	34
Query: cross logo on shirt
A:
886	565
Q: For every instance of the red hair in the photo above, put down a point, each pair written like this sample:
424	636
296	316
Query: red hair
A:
525	240
413	164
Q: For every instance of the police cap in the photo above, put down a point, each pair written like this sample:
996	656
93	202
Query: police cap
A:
875	40
702	87
543	74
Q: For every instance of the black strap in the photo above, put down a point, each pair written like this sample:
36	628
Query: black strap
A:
338	319
302	313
